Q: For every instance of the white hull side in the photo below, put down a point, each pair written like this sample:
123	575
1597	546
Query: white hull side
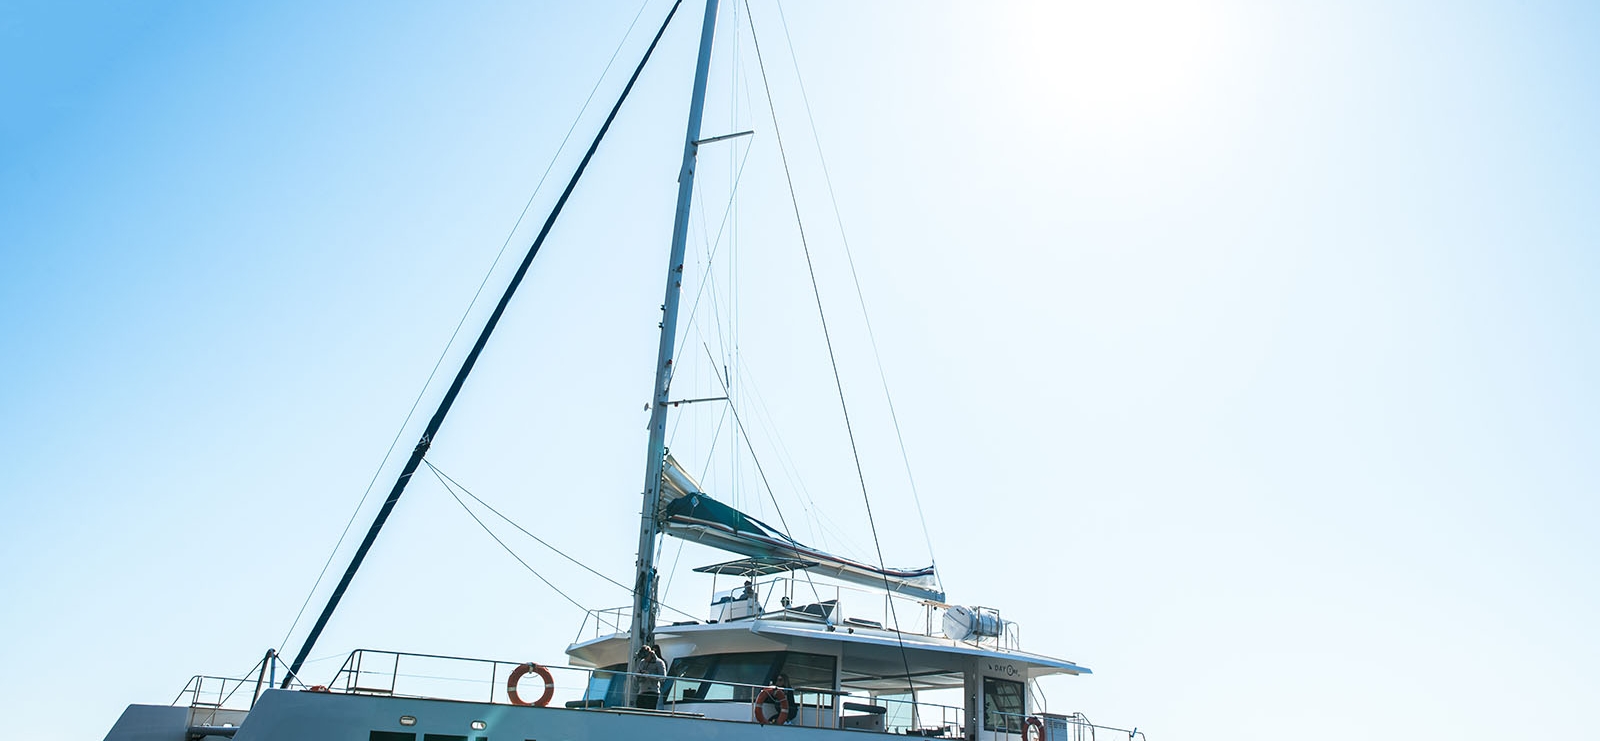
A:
283	715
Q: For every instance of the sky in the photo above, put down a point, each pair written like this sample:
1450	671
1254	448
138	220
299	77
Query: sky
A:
1241	351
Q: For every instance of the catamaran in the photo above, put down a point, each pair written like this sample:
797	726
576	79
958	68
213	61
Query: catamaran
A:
795	641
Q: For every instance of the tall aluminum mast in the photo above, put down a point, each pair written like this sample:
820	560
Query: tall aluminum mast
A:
643	628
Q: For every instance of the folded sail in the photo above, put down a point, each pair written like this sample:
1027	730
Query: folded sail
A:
690	514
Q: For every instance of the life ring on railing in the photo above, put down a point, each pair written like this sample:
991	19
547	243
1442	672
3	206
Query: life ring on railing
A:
522	671
777	696
1037	724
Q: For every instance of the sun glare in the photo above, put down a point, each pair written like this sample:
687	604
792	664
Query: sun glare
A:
1125	61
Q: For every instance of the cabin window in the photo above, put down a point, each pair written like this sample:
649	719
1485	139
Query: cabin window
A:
606	687
391	736
736	677
1002	705
725	672
813	671
691	667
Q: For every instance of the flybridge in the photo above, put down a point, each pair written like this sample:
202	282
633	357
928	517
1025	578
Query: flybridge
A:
691	514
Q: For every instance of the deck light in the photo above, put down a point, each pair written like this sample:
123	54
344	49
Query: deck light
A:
479	725
408	720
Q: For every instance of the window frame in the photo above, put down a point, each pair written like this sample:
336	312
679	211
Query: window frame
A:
1010	721
698	673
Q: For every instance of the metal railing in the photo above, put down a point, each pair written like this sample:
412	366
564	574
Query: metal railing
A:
205	692
212	699
1080	729
221	693
790	596
920	718
430	676
610	621
1074	727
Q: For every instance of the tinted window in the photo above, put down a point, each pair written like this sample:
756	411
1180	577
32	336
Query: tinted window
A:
735	677
608	687
813	671
1002	705
692	667
741	669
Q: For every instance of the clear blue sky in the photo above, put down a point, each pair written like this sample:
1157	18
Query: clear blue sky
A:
1244	351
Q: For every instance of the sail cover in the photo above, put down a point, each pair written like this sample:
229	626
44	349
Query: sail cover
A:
691	514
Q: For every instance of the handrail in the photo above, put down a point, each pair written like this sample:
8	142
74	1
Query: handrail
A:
1079	725
576	685
226	688
615	618
786	588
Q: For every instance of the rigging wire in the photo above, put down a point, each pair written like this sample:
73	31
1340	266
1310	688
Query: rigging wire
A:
832	360
460	323
822	525
706	280
513	523
497	539
715	244
731	357
707	284
872	338
673	572
739	424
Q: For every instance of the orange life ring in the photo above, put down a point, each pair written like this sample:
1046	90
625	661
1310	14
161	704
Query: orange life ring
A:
522	671
1036	723
777	696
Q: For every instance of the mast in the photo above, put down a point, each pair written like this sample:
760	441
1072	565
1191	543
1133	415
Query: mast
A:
643	628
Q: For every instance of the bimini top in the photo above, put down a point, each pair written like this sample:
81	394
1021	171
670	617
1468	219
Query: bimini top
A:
753	567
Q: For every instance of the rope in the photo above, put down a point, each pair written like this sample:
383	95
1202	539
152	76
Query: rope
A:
457	331
828	339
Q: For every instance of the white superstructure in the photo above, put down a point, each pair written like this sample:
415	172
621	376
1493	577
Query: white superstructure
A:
847	674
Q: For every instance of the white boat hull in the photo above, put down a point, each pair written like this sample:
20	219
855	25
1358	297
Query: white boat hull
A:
286	715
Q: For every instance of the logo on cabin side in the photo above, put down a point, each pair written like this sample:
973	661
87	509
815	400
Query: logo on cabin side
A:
1009	670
